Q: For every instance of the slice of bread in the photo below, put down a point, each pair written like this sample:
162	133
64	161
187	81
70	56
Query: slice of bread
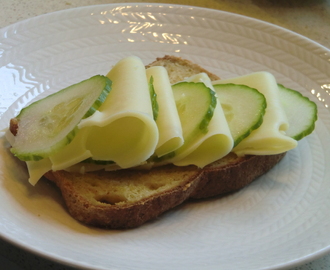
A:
129	198
125	198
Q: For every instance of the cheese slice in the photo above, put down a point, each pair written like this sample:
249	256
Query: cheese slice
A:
270	137
123	129
72	153
37	169
168	121
209	147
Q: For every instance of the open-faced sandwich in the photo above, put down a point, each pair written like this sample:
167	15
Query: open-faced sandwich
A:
126	147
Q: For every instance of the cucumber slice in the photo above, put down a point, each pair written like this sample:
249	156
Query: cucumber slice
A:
49	124
244	108
195	104
153	98
98	162
301	112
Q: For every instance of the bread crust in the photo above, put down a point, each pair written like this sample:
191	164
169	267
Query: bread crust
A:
173	64
233	176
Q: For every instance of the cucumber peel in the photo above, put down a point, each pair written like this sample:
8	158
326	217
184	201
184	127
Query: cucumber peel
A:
153	98
300	111
98	162
244	108
47	125
195	103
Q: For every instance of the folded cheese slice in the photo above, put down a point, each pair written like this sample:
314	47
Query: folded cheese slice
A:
270	137
168	121
210	146
123	129
72	153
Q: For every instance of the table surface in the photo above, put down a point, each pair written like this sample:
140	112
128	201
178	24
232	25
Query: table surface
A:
310	18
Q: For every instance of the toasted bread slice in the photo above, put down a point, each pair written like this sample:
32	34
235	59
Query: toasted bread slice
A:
129	198
125	198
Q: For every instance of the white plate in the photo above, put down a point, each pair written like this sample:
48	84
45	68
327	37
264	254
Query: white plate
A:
280	220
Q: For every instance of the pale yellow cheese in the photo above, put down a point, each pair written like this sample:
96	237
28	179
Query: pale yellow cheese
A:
123	129
72	153
270	137
213	145
84	167
37	169
9	136
168	121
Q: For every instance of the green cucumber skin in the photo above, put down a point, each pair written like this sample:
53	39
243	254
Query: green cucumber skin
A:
284	92
50	149
220	88
41	155
257	125
98	102
153	98
98	162
89	113
203	125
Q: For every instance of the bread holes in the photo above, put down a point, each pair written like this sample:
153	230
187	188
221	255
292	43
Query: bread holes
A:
155	185
94	184
111	198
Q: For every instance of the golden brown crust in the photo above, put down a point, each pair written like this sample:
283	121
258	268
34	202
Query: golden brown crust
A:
233	176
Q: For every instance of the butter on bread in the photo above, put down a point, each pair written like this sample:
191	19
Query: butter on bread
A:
129	198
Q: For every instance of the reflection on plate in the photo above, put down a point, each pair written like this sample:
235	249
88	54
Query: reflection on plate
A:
280	220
